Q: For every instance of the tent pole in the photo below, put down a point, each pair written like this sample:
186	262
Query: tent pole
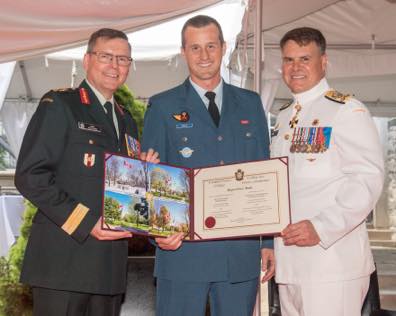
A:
25	78
257	46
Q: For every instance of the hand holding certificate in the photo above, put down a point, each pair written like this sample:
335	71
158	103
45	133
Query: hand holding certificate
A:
230	201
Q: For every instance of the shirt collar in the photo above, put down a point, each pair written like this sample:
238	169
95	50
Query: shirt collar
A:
100	96
307	96
201	92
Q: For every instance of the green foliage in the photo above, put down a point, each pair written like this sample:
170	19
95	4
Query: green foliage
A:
16	298
112	210
2	157
125	97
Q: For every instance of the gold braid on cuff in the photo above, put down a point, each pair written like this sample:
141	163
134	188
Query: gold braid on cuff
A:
75	218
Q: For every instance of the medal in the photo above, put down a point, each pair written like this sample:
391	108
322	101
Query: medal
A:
293	145
293	122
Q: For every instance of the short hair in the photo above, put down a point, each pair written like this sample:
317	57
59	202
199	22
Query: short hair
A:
107	34
199	21
303	36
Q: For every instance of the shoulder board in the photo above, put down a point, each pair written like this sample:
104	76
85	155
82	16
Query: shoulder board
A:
336	96
286	105
47	100
66	90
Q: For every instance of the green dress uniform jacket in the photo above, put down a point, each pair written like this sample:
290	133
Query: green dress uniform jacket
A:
60	170
180	128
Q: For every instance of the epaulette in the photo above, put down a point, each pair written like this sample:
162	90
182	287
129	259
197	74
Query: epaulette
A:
286	105
64	90
47	100
336	96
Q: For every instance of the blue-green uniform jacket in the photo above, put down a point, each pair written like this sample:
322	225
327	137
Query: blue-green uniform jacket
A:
241	136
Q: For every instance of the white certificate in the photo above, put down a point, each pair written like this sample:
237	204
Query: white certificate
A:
241	199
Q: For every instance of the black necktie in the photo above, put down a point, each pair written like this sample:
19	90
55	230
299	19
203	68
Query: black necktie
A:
109	109
212	108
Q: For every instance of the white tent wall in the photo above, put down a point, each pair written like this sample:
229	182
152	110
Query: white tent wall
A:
361	46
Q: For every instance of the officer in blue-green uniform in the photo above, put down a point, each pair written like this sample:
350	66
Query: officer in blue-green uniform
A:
74	267
193	128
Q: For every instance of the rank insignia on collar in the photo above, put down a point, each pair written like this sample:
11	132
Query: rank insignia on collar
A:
89	160
336	96
182	117
84	97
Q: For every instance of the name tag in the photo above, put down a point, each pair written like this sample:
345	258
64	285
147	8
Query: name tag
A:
89	127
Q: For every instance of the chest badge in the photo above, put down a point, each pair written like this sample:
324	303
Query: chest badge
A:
182	117
89	127
133	146
89	160
186	152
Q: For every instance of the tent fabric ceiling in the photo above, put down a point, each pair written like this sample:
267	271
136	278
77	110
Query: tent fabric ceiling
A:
31	28
360	36
354	30
346	22
162	41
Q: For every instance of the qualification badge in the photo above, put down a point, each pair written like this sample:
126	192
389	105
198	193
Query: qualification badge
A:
186	152
182	117
133	146
89	160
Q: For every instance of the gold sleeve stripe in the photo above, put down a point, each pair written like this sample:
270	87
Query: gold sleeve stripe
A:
75	218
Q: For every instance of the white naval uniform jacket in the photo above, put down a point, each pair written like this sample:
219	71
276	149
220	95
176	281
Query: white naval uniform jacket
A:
335	189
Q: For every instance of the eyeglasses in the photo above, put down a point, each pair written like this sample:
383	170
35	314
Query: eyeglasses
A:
106	58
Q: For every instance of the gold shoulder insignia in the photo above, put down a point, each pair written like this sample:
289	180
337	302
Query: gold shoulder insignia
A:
63	90
286	105
49	100
336	96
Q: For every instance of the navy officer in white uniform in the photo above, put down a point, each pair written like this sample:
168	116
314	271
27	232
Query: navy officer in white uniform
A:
336	174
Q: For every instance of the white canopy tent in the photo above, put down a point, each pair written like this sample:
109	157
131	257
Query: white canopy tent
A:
361	47
155	49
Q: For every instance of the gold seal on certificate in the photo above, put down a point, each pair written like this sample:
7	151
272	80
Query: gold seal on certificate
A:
222	202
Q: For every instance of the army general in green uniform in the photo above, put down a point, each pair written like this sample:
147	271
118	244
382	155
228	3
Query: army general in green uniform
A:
74	267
